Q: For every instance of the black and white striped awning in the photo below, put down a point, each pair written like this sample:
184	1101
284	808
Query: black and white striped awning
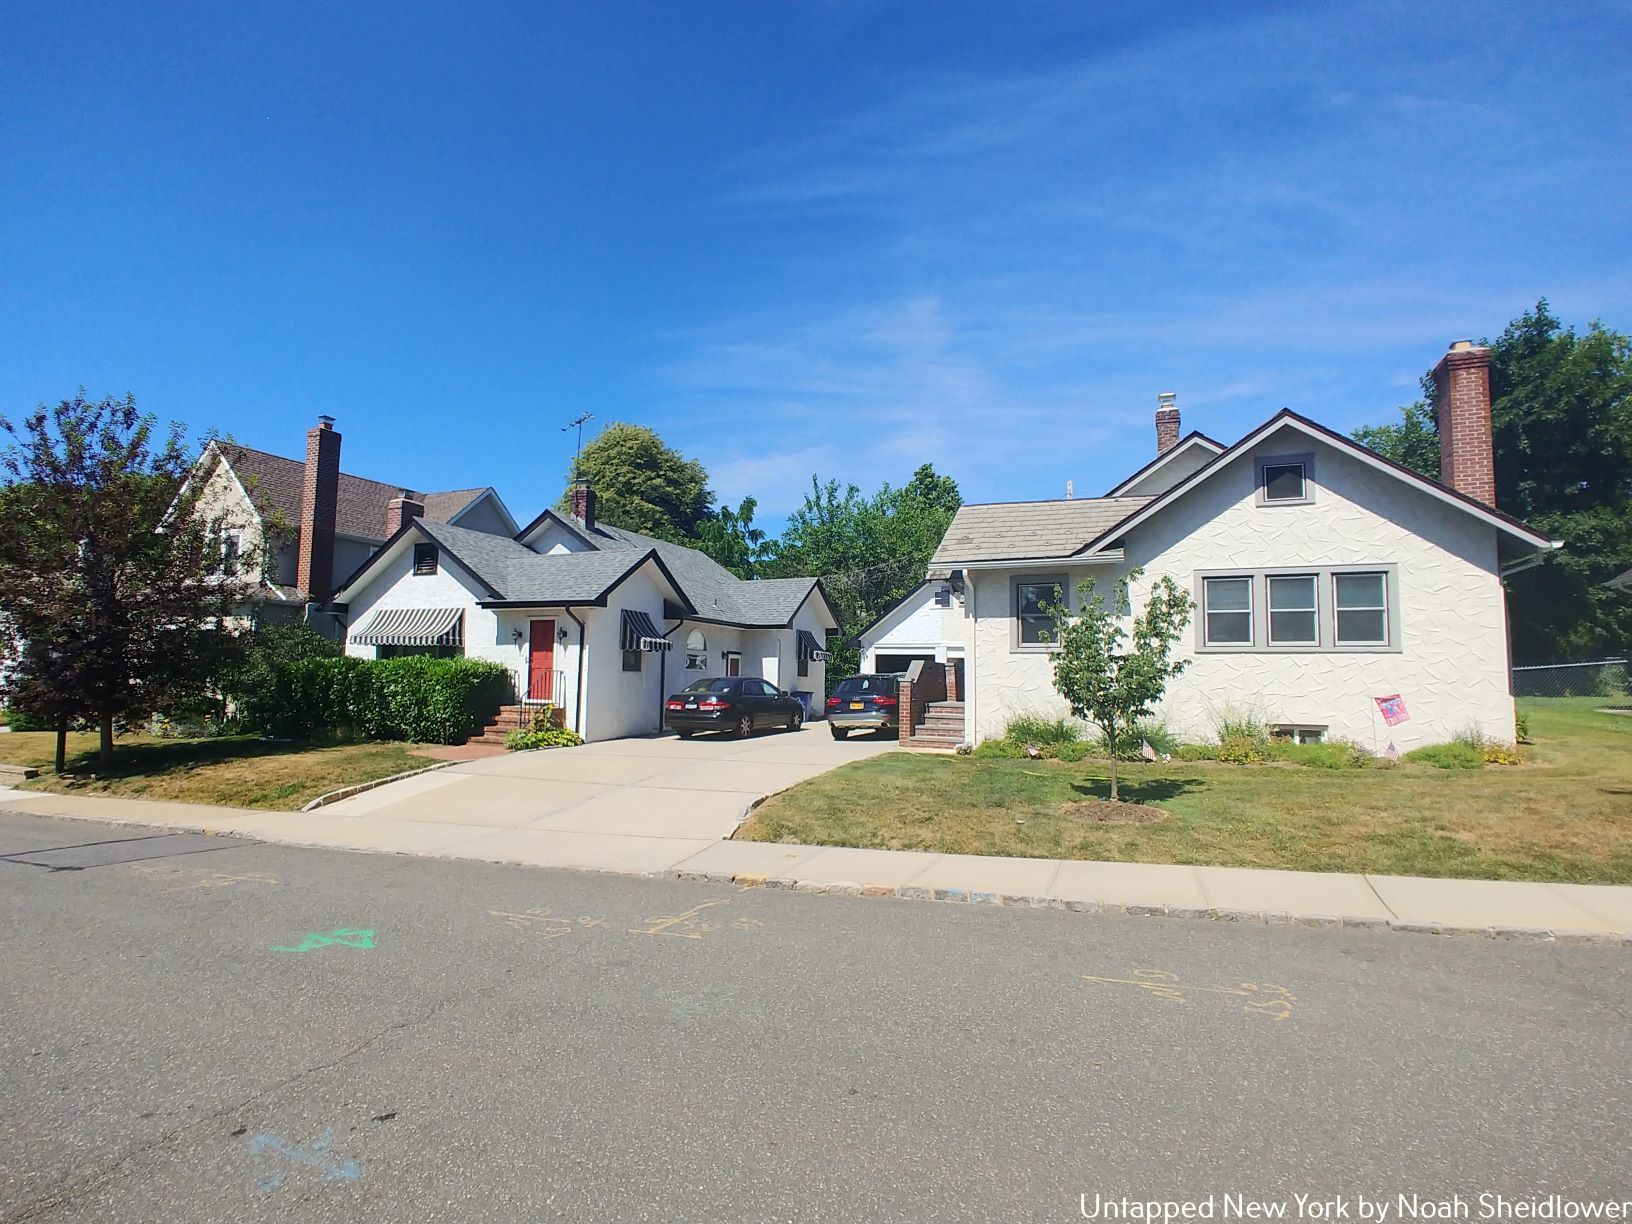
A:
638	632
413	627
810	649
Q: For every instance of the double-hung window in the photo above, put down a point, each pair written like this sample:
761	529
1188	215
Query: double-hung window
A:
1360	603
1227	611
1294	619
1034	623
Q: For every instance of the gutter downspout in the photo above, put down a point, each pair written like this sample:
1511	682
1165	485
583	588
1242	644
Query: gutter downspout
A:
578	698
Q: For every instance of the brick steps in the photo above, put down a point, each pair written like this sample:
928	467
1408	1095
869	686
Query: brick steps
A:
508	719
942	729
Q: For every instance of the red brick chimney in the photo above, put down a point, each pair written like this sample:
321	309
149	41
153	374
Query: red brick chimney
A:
1467	457
319	497
401	509
1167	422
583	503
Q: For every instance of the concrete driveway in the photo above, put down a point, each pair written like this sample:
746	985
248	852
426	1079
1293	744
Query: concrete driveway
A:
584	806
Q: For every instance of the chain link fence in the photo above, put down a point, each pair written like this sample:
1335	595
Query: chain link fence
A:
1610	679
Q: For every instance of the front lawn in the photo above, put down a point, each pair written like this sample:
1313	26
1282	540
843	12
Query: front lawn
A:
1566	814
235	771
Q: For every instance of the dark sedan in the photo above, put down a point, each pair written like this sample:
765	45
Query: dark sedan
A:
739	705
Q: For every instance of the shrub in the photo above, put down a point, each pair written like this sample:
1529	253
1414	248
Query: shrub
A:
1611	681
1076	750
542	732
1242	750
1039	731
1471	737
998	748
436	701
1502	754
1236	721
1521	724
22	720
1197	752
1333	754
1455	755
1145	731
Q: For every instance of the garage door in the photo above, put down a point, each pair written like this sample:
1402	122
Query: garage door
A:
888	663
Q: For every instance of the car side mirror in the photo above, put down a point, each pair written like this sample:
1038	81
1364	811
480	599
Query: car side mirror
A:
783	693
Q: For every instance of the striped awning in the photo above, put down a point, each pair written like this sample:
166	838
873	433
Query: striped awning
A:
638	632
810	649
413	627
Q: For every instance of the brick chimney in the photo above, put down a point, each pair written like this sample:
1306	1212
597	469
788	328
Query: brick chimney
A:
400	509
1467	457
583	504
1167	422
319	496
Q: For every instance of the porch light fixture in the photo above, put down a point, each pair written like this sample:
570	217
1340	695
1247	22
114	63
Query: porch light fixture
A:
561	634
515	635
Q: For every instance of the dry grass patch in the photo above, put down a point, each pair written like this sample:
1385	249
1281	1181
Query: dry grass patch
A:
1566	814
233	771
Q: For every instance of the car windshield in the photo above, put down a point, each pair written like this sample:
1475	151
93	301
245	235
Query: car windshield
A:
714	684
858	686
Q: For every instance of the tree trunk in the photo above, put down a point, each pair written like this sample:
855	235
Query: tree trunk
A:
104	748
1111	742
62	745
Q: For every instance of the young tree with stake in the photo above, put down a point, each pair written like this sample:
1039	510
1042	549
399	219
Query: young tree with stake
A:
1107	676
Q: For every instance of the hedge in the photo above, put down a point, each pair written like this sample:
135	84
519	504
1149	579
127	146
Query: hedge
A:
418	698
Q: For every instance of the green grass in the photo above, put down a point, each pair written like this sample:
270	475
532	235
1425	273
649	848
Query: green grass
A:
235	771
1566	814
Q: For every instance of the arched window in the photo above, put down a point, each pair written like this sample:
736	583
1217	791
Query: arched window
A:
696	651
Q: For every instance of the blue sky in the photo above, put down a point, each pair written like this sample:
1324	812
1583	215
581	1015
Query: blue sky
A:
841	238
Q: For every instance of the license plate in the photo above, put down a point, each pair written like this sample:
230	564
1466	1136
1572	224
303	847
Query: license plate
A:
691	705
855	705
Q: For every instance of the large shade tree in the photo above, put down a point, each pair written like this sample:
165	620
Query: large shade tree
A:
118	585
1561	407
642	483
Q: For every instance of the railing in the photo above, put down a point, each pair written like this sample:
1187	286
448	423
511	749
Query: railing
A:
1607	678
550	689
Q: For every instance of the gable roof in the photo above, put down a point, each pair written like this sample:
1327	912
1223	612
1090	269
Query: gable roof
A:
274	484
1195	439
1023	531
1505	524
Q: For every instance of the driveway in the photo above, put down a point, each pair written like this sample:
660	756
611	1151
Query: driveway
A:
676	796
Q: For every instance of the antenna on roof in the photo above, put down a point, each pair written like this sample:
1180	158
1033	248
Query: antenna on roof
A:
577	424
1070	490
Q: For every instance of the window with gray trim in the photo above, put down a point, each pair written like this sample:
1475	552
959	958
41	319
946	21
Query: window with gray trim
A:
1284	480
1226	604
1294	617
1034	624
1360	603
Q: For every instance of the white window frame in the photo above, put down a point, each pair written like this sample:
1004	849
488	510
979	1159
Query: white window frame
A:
1262	463
1386	609
1313	578
1251	611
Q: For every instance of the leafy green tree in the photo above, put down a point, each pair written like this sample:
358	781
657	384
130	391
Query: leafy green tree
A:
1108	676
1562	425
117	586
869	551
643	484
731	538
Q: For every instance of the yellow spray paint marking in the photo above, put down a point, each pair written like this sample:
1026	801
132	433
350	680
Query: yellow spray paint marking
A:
545	922
681	926
1262	998
195	879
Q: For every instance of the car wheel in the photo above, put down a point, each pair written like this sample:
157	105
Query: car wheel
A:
745	727
796	720
685	734
839	732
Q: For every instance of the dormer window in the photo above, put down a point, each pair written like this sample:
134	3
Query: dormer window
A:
424	559
1285	480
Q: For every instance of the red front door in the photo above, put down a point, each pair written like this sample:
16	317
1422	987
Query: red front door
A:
733	663
541	660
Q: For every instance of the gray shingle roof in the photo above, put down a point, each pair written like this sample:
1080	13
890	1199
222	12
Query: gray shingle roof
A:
519	574
274	483
1015	531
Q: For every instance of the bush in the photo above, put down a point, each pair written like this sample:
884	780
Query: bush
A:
1197	752
541	733
1334	754
1455	755
1145	731
432	701
998	748
1241	722
1501	754
1521	724
1611	681
1242	750
1038	731
22	720
1076	750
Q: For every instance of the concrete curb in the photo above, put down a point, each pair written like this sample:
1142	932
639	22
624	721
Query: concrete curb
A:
346	792
965	896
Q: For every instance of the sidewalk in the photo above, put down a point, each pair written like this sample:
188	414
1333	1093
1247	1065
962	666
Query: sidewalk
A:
1581	913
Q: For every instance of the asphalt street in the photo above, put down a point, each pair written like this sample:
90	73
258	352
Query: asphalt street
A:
203	1029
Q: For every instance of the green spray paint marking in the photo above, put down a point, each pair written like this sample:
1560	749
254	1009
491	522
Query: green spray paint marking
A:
321	939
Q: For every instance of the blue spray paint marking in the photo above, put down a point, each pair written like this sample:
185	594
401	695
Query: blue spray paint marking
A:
314	1156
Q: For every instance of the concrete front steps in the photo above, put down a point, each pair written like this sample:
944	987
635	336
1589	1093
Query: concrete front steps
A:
942	728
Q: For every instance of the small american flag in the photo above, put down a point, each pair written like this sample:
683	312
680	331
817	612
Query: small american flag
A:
1146	751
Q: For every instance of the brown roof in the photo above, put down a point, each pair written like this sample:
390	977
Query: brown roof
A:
1011	531
274	484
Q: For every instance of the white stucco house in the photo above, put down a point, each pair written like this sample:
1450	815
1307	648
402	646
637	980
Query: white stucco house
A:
1334	589
600	622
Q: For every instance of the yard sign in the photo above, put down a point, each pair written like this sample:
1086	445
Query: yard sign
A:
1393	709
